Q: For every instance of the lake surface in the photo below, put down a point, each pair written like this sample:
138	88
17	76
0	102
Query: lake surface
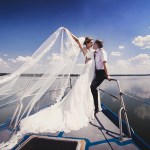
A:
138	112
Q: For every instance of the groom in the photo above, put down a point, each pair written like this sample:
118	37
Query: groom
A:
101	71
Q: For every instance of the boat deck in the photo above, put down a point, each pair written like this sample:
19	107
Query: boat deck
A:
101	133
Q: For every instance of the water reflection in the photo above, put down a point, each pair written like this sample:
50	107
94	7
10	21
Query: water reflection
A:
137	86
138	113
143	112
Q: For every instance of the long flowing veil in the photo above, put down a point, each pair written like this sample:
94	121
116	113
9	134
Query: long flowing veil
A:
48	68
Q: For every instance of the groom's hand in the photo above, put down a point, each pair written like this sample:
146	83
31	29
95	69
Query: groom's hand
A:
108	77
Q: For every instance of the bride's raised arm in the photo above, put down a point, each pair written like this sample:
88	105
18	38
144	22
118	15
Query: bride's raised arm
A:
78	42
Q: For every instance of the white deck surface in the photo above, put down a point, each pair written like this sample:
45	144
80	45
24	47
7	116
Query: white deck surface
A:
101	134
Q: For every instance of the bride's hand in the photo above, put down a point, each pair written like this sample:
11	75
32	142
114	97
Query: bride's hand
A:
64	29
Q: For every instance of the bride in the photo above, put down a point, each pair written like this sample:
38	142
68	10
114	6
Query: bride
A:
77	107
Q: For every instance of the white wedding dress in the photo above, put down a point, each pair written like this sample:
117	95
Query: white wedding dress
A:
72	113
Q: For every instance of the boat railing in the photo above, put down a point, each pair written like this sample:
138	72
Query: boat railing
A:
122	109
17	112
27	95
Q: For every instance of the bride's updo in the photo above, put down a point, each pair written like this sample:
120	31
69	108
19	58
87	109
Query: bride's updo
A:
87	40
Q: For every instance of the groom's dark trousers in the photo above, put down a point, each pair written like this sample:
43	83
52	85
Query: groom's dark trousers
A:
99	78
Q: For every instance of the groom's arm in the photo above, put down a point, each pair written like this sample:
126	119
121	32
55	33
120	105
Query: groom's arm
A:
106	69
104	60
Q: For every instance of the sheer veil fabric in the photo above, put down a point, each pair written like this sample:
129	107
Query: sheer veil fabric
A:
57	56
74	111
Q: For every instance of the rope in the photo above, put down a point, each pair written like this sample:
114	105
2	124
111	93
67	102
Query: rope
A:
110	94
135	98
125	95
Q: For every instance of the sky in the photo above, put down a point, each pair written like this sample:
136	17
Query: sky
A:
123	25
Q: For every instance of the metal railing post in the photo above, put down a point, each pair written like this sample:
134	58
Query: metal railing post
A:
70	84
122	108
19	107
14	115
99	101
120	123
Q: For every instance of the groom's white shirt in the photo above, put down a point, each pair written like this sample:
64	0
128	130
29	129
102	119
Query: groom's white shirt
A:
100	57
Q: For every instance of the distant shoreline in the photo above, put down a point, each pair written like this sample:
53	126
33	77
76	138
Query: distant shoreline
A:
38	75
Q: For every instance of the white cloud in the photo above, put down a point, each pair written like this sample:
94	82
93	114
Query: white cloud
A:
121	47
55	58
23	59
116	53
12	60
123	62
139	64
142	41
3	65
145	62
66	57
2	62
140	57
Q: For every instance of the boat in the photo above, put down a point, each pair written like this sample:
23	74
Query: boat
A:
107	131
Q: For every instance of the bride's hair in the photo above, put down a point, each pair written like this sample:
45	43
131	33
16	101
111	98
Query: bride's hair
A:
87	40
99	43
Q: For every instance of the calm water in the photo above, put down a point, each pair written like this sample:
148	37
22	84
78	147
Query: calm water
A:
138	113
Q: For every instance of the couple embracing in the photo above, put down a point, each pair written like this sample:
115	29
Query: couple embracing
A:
98	59
78	107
